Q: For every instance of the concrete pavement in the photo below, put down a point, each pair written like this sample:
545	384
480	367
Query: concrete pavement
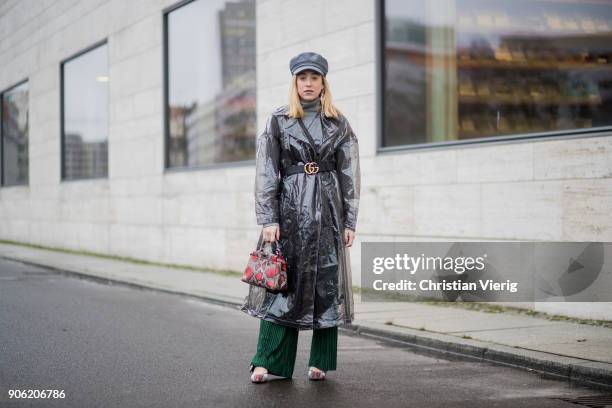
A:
567	350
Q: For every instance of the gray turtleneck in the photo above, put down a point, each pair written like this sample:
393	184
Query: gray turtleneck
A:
310	119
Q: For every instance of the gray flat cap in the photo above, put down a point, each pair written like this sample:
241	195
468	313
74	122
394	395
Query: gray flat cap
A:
308	60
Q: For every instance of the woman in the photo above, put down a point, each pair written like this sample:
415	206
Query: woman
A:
307	188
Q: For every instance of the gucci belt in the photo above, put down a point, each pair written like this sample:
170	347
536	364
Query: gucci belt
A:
309	168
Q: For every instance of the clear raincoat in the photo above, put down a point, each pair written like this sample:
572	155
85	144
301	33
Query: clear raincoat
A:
312	210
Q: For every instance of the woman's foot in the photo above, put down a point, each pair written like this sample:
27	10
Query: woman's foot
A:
315	374
260	374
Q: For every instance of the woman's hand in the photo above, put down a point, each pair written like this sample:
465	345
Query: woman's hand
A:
349	236
271	233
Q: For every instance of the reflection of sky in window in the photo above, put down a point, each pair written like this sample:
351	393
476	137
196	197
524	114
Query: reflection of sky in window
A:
406	10
421	12
22	88
86	95
527	17
405	22
194	47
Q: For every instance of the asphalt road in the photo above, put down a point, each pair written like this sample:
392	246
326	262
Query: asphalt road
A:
117	346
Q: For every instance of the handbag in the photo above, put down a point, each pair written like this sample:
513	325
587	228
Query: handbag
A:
266	269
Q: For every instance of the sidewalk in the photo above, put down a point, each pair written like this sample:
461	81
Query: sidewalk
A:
570	351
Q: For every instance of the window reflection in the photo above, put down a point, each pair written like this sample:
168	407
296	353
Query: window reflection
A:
14	133
211	83
461	69
405	72
85	115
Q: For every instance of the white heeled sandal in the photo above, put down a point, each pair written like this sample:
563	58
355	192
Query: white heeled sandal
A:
258	378
315	375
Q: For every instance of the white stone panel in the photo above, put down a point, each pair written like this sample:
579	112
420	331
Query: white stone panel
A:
589	157
522	210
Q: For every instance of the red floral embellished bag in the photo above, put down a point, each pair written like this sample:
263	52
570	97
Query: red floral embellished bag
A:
267	269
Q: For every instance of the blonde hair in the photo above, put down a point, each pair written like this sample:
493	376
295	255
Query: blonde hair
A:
295	107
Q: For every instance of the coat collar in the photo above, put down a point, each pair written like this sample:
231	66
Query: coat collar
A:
293	128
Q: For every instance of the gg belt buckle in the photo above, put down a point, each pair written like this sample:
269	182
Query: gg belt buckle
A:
311	168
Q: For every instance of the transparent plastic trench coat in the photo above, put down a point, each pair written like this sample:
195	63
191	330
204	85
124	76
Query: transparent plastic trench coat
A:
312	210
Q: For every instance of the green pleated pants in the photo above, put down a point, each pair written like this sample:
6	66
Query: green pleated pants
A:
277	348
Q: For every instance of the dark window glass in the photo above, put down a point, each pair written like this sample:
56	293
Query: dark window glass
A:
211	106
15	123
14	133
85	115
461	69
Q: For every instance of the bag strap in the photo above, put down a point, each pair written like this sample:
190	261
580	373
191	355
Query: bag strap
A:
309	136
260	242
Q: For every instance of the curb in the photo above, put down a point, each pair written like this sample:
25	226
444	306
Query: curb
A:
591	373
584	372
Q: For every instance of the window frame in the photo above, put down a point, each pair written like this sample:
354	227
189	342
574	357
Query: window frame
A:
380	29
62	62
2	92
166	105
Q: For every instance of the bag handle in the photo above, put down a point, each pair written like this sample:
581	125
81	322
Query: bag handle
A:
261	243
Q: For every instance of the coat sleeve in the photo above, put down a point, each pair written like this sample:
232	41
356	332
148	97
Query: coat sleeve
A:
348	169
267	178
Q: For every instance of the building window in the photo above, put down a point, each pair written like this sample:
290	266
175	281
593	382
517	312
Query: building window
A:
84	118
465	69
14	135
210	83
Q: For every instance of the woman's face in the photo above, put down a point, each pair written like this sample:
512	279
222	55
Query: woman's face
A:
309	85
